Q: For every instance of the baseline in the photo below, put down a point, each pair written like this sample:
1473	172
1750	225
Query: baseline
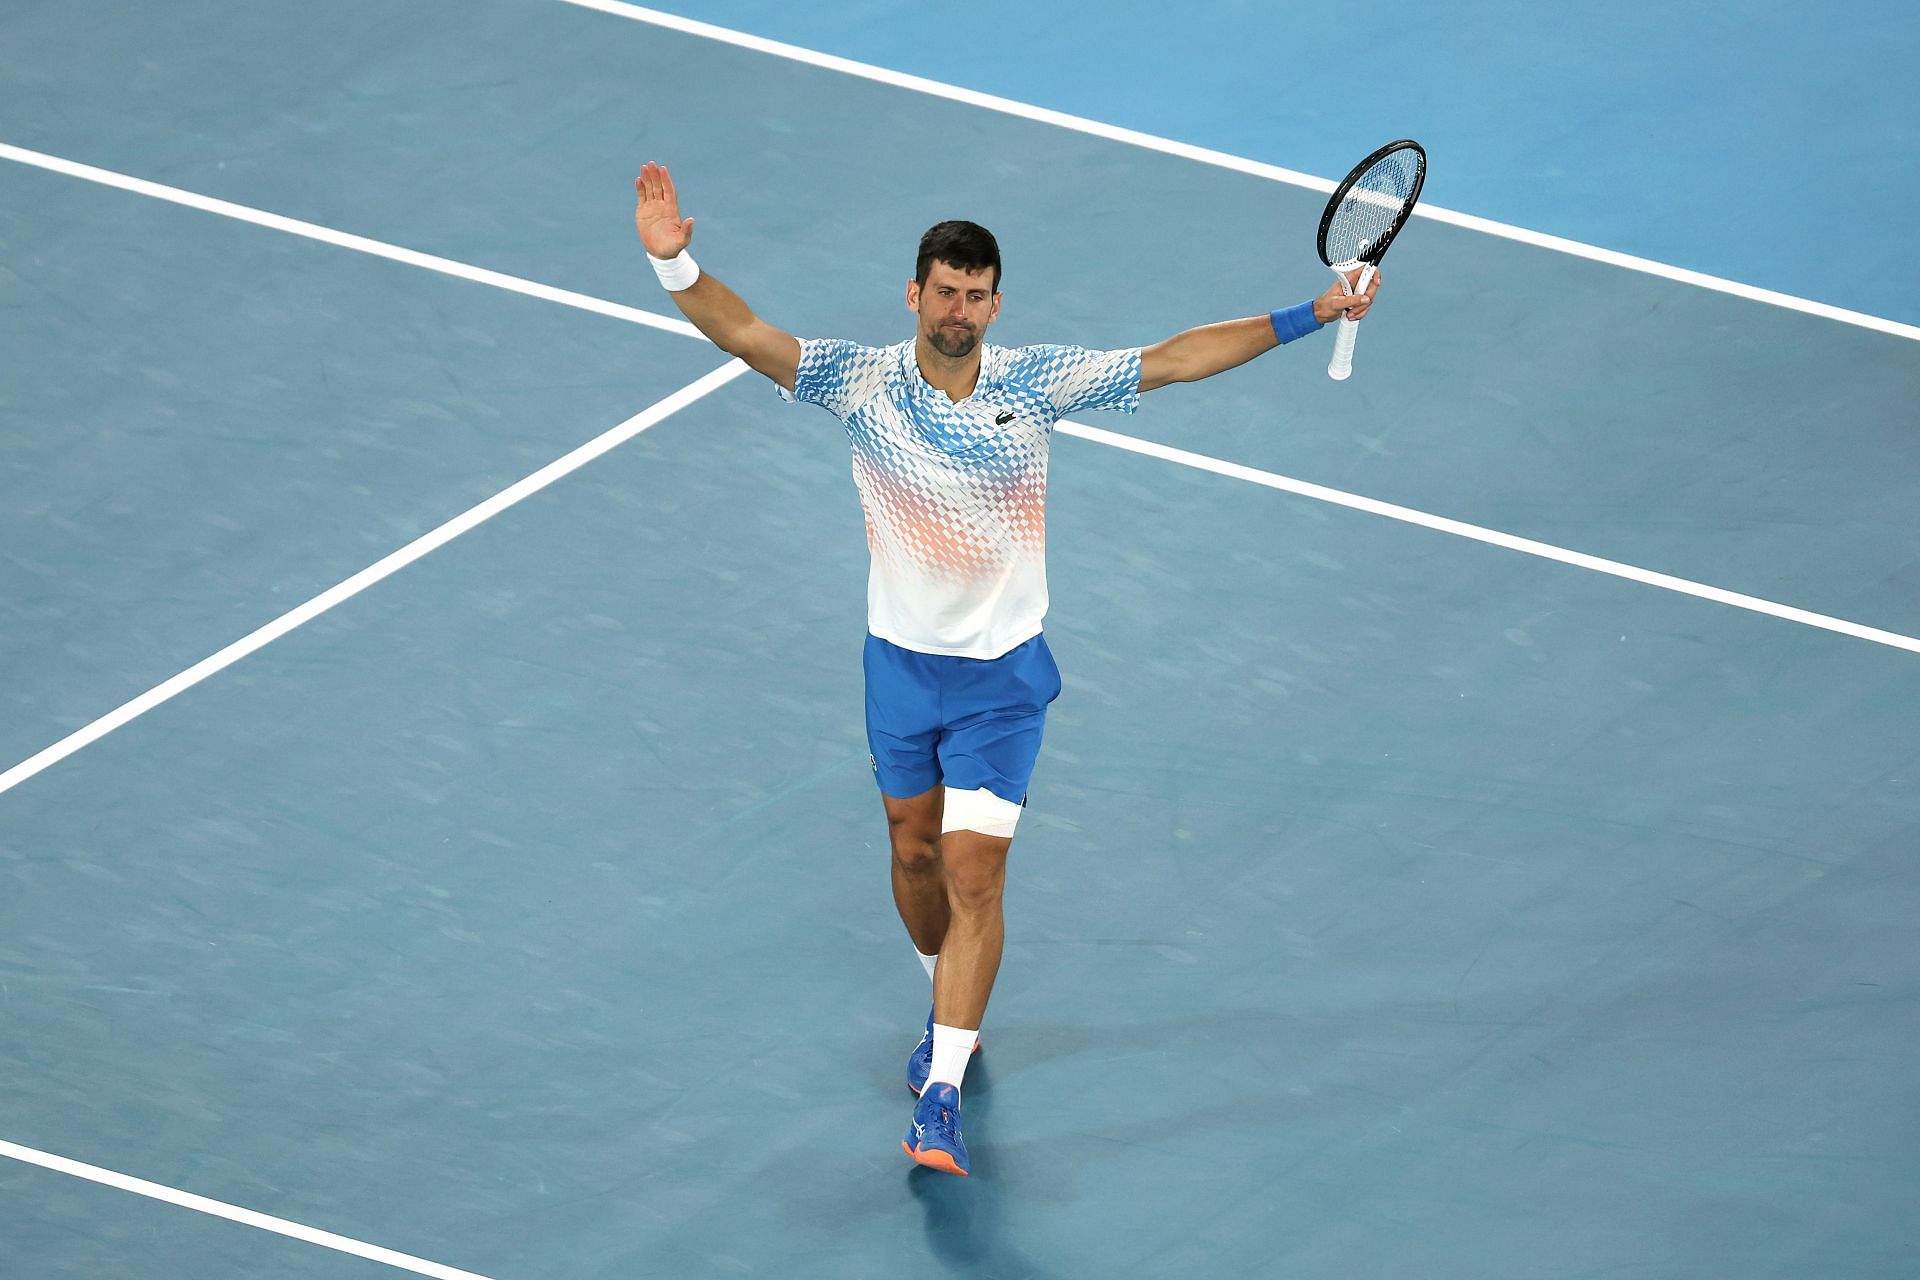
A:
381	569
234	1213
1239	164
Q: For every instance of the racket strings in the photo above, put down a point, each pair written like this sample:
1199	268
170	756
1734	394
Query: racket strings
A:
1372	207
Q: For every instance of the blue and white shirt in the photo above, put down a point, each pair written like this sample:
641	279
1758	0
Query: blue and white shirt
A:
955	493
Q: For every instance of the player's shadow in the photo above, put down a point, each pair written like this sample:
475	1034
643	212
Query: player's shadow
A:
963	1217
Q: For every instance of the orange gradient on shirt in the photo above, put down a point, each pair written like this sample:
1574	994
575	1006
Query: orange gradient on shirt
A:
966	540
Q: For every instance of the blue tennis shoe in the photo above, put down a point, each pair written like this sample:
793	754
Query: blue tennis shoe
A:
933	1139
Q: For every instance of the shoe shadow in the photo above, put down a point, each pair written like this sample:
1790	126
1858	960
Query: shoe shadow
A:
963	1217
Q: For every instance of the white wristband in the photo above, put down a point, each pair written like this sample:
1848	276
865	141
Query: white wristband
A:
676	273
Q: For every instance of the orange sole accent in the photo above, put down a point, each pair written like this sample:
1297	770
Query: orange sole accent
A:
934	1160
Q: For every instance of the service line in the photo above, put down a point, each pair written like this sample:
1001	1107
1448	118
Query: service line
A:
233	1213
1492	537
345	240
381	569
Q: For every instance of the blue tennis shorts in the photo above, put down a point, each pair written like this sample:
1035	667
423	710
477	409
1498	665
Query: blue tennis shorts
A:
965	722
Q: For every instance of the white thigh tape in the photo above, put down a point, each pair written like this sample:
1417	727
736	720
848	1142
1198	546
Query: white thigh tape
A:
980	811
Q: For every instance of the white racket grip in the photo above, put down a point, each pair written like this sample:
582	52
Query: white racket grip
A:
1340	368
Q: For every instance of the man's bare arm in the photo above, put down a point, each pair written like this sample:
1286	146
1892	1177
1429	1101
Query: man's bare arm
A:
714	309
718	312
1215	348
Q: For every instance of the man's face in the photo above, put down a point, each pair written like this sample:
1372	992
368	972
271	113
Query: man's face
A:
955	307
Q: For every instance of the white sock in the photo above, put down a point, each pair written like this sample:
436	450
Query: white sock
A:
952	1046
927	962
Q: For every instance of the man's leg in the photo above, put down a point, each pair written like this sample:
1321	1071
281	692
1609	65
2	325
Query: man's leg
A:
992	716
919	886
976	876
975	868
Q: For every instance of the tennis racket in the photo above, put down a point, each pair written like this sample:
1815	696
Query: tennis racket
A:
1364	214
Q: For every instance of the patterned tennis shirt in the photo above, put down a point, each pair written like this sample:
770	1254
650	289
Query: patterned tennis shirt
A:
955	493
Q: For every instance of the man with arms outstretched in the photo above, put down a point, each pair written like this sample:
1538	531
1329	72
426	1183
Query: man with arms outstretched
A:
950	438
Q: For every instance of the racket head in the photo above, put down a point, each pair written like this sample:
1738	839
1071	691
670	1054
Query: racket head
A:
1371	204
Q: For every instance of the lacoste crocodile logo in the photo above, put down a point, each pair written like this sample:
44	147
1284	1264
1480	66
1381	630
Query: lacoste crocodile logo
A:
1003	419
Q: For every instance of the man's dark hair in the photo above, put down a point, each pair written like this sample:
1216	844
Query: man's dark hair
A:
965	246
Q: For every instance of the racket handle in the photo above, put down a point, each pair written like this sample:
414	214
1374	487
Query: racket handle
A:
1340	368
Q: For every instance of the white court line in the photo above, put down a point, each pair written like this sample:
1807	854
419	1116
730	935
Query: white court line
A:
705	386
233	1213
373	573
345	240
1239	164
1492	537
1096	434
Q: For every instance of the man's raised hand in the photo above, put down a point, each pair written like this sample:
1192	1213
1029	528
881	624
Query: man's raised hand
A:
1340	300
657	217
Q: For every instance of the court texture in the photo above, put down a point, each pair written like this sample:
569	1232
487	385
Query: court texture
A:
1478	835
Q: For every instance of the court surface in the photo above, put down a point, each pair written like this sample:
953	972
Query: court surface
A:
1530	895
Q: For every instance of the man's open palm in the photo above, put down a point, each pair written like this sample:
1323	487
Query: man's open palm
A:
662	230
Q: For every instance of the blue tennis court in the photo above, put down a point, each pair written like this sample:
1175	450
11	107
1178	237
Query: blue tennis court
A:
1477	835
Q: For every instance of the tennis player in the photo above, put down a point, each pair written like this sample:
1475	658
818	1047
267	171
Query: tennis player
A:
950	436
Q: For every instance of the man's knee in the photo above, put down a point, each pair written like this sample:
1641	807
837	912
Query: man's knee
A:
914	850
976	868
913	828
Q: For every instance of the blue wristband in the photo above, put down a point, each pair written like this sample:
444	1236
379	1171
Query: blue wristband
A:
1294	322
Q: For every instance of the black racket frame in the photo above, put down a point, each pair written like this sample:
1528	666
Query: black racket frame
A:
1378	250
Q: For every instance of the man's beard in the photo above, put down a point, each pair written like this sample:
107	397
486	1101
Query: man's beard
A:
953	343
